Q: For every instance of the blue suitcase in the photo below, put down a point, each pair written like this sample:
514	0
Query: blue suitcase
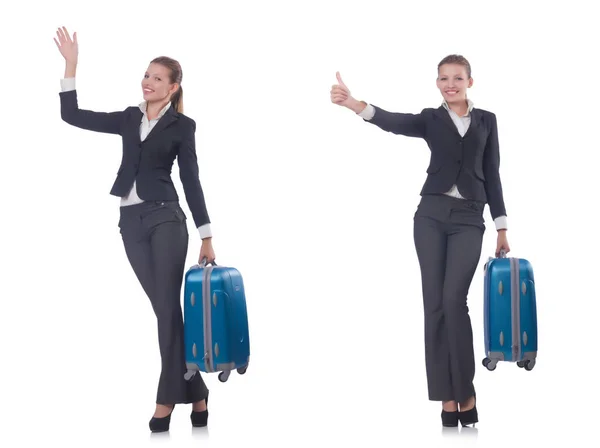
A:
215	321
510	312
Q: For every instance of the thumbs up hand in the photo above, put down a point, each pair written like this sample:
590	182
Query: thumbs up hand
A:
340	95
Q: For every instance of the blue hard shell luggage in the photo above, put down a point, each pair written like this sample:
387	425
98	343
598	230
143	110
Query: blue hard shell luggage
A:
510	312
215	321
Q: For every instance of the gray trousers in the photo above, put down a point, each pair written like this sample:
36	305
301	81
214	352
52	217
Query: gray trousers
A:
155	237
448	235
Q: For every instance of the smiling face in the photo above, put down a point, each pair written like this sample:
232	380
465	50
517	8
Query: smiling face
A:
156	84
453	82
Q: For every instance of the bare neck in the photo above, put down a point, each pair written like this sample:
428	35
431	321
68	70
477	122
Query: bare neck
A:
154	108
460	108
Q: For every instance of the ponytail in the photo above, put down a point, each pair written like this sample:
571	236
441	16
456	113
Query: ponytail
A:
177	100
176	76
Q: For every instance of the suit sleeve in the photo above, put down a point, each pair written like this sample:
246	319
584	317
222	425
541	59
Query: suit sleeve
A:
491	171
105	122
190	179
409	125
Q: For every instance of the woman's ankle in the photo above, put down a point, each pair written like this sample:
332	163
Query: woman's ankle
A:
163	410
467	405
449	406
199	406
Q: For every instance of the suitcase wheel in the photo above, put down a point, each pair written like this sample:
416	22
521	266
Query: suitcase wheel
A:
528	364
489	364
224	376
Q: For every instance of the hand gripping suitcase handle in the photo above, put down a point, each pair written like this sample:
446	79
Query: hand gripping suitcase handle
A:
204	263
502	255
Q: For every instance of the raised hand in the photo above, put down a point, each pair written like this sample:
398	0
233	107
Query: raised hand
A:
68	47
340	95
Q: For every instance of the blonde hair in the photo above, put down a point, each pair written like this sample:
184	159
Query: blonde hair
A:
457	59
176	75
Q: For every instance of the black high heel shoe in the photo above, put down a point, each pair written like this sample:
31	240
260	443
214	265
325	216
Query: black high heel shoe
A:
469	417
200	418
161	424
449	418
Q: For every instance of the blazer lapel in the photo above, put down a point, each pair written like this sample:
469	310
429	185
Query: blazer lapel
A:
168	118
443	115
475	120
136	119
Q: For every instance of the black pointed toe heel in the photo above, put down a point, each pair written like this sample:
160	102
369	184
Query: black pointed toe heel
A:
161	424
449	419
199	418
469	417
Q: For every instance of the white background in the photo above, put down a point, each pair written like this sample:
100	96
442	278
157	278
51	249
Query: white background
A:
310	203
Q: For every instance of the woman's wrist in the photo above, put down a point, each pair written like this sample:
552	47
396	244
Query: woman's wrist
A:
70	69
357	106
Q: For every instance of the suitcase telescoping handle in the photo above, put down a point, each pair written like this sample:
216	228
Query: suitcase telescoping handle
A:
502	253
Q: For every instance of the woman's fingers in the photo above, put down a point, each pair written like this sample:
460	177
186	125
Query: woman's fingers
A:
66	34
337	95
340	88
339	92
339	79
64	37
338	98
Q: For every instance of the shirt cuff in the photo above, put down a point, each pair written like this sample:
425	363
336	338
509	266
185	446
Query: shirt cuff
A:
501	223
67	84
367	113
205	231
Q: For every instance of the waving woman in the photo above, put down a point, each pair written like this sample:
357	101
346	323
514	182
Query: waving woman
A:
152	223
